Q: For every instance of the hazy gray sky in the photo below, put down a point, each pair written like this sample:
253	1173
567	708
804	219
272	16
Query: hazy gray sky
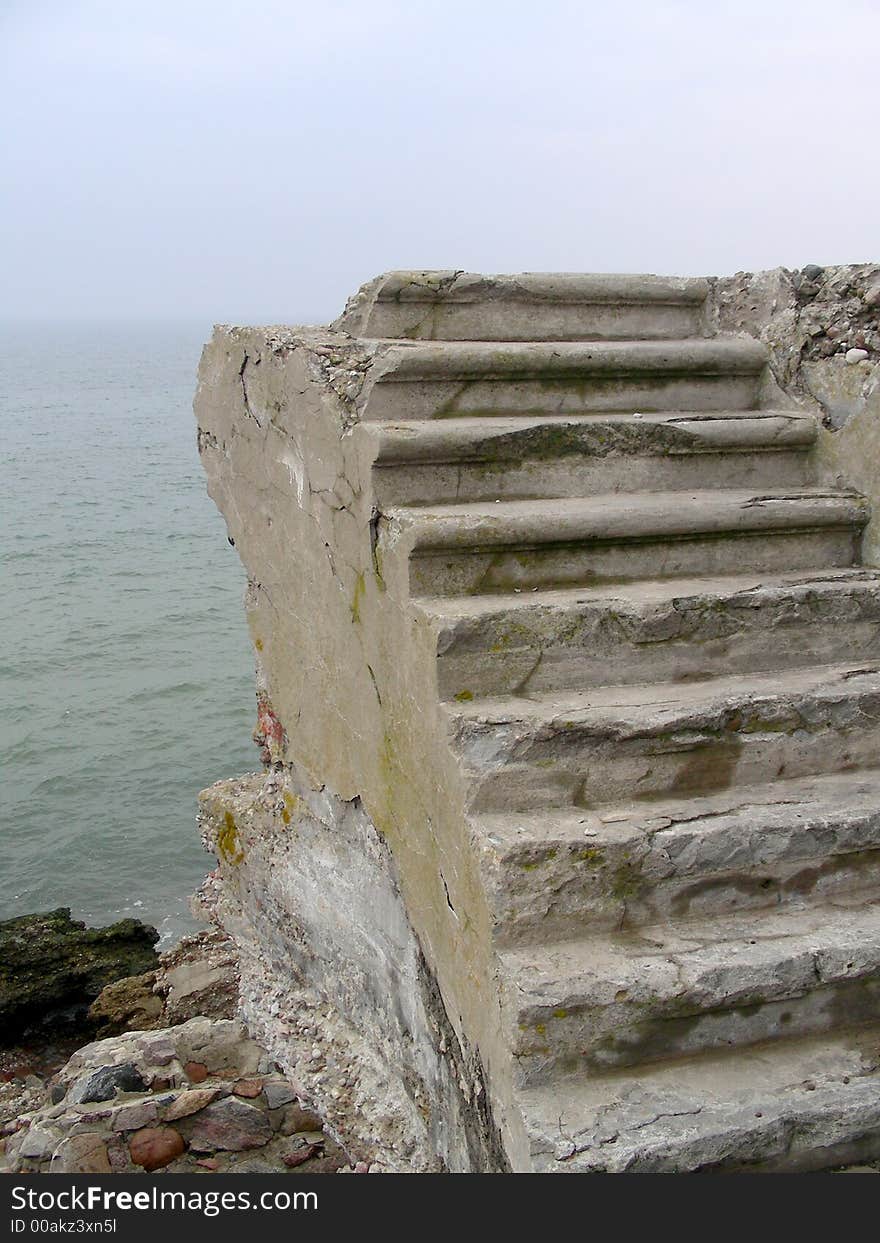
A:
258	161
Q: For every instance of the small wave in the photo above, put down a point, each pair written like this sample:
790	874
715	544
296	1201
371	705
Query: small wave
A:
167	692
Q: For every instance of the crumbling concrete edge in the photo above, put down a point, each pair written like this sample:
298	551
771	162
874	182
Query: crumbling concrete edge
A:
405	1093
821	326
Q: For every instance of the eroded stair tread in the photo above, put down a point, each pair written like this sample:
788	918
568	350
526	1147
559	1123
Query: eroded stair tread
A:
701	965
464	360
433	440
628	516
796	1105
648	593
466	306
750	814
662	702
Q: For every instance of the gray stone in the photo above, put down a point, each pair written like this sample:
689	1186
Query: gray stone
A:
159	1050
38	1143
278	1092
133	1116
103	1084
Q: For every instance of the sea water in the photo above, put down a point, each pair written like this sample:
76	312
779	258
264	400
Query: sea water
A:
126	677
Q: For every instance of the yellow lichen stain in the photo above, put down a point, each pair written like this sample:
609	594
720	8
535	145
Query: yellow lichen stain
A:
355	606
392	776
464	696
258	644
291	802
560	1014
228	842
545	858
540	1028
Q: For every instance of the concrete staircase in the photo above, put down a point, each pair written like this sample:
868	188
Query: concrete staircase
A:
653	625
658	660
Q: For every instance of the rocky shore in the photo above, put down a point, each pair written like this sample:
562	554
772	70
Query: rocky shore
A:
172	1082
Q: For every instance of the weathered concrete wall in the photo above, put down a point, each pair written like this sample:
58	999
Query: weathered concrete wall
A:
822	328
353	714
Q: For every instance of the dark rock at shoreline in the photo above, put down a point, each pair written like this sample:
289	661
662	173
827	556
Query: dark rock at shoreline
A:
52	967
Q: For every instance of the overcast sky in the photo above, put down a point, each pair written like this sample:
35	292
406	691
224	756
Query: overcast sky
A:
257	161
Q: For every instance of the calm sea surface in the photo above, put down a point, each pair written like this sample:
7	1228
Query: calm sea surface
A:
126	681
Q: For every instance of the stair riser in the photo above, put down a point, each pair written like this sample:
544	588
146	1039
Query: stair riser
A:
505	569
524	321
431	483
574	1038
434	399
571	766
793	1106
588	647
563	890
797	1145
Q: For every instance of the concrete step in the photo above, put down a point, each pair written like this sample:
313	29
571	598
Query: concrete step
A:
425	462
790	1106
531	306
563	873
617	743
641	996
664	630
504	545
432	380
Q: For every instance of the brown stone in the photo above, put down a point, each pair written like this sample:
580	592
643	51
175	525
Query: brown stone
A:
160	1085
209	1163
127	1005
249	1088
296	1118
230	1125
189	1102
299	1156
196	1072
155	1146
81	1154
